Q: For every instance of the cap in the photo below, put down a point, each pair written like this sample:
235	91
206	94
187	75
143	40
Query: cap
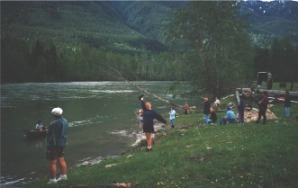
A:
57	111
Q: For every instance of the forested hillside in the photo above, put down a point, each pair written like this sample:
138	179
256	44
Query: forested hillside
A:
83	39
43	41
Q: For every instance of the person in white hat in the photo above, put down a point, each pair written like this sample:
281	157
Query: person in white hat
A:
56	139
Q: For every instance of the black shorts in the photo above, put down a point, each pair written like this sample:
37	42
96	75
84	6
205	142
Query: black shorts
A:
53	154
148	128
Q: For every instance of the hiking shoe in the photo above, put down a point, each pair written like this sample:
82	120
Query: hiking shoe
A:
52	181
62	177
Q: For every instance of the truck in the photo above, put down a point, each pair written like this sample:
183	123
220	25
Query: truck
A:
264	80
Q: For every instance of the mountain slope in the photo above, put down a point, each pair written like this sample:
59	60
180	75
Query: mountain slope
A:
71	23
129	25
270	20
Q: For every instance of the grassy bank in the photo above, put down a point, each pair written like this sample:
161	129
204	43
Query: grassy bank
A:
193	155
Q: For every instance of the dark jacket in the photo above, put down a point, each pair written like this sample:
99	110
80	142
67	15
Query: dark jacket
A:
150	115
206	107
287	101
241	108
263	103
57	133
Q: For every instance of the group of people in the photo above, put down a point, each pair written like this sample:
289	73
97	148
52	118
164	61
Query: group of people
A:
210	117
209	114
56	137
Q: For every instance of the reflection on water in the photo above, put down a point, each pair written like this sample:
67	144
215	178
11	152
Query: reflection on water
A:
100	114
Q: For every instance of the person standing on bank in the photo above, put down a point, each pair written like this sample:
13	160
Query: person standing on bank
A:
148	116
56	140
241	112
172	114
206	110
287	104
263	107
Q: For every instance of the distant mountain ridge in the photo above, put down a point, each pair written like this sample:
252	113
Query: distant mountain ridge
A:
276	19
128	24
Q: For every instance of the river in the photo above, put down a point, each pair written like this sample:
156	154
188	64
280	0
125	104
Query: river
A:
100	114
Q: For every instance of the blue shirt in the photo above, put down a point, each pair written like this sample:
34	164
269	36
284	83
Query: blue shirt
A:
57	133
230	114
172	114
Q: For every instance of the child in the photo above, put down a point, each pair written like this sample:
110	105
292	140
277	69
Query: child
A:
39	126
212	117
229	117
140	118
172	114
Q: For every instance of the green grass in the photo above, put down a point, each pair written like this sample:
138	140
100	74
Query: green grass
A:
193	155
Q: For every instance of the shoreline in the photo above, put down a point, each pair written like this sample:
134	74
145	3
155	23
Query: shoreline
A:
11	182
139	137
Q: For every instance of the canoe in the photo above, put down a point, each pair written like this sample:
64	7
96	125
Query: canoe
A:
31	134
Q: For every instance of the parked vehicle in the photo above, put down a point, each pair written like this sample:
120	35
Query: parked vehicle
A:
264	80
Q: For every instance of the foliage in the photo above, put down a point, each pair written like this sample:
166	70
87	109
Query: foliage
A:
279	59
218	47
41	61
80	41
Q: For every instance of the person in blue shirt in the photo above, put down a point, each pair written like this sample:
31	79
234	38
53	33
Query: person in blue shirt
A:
56	140
230	117
148	117
172	114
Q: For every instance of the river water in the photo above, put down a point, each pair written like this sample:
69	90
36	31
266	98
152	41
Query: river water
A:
100	114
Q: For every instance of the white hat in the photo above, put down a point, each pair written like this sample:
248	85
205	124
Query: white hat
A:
57	111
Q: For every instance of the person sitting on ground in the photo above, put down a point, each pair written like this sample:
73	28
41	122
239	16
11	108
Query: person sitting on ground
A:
39	126
213	117
186	108
230	117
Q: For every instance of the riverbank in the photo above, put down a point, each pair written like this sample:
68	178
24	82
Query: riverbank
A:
194	155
